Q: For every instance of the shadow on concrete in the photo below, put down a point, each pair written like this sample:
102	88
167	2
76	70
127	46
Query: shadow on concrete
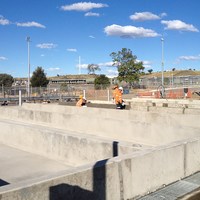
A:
95	105
70	192
2	183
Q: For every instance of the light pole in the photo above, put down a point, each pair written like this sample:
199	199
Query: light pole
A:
162	42
28	39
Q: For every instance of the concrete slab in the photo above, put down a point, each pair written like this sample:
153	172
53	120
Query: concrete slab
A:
17	165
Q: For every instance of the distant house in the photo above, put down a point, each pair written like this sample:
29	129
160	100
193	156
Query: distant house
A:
72	79
58	80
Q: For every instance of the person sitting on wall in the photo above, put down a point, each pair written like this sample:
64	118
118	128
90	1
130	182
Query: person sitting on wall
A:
81	102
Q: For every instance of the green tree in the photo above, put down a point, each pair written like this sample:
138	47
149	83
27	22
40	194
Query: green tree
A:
39	78
129	69
150	71
92	68
101	82
6	80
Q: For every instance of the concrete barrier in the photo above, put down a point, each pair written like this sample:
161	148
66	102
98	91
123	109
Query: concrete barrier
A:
192	151
123	177
133	126
145	104
68	147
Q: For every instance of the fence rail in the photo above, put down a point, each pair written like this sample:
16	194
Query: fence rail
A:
71	93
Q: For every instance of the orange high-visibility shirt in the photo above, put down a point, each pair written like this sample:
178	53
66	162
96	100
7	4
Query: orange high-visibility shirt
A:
79	103
117	95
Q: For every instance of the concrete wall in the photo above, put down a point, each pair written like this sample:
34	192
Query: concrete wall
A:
47	130
125	125
69	147
164	105
192	158
123	177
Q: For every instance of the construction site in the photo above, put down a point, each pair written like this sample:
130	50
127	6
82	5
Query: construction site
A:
59	151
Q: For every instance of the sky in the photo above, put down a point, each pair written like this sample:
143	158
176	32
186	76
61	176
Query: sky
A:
67	35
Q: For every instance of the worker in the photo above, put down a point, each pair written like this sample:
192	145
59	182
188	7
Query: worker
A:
121	89
123	105
81	102
117	96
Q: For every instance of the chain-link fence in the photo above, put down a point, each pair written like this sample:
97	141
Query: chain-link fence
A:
72	92
53	93
60	93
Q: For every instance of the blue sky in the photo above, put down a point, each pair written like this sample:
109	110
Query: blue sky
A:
66	34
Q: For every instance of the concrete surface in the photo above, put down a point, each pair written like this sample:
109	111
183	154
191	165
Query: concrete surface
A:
17	166
94	153
65	146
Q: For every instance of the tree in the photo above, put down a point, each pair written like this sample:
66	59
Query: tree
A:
92	68
129	69
39	78
6	80
101	82
150	71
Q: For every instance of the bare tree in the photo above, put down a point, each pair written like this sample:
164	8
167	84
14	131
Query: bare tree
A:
92	68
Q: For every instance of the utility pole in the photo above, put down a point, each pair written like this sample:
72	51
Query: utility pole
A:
162	42
28	39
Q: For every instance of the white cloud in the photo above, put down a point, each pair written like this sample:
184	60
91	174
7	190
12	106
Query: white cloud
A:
188	58
178	25
92	14
46	46
91	36
163	14
72	50
146	62
83	6
3	58
129	31
106	64
112	73
82	66
31	24
53	69
143	16
4	21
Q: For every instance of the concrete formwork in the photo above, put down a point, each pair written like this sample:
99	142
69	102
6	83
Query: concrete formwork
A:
118	154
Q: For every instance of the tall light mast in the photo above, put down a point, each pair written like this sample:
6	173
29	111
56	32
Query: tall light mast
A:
162	42
28	39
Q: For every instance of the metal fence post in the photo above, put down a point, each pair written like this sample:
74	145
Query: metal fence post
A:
20	98
84	94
